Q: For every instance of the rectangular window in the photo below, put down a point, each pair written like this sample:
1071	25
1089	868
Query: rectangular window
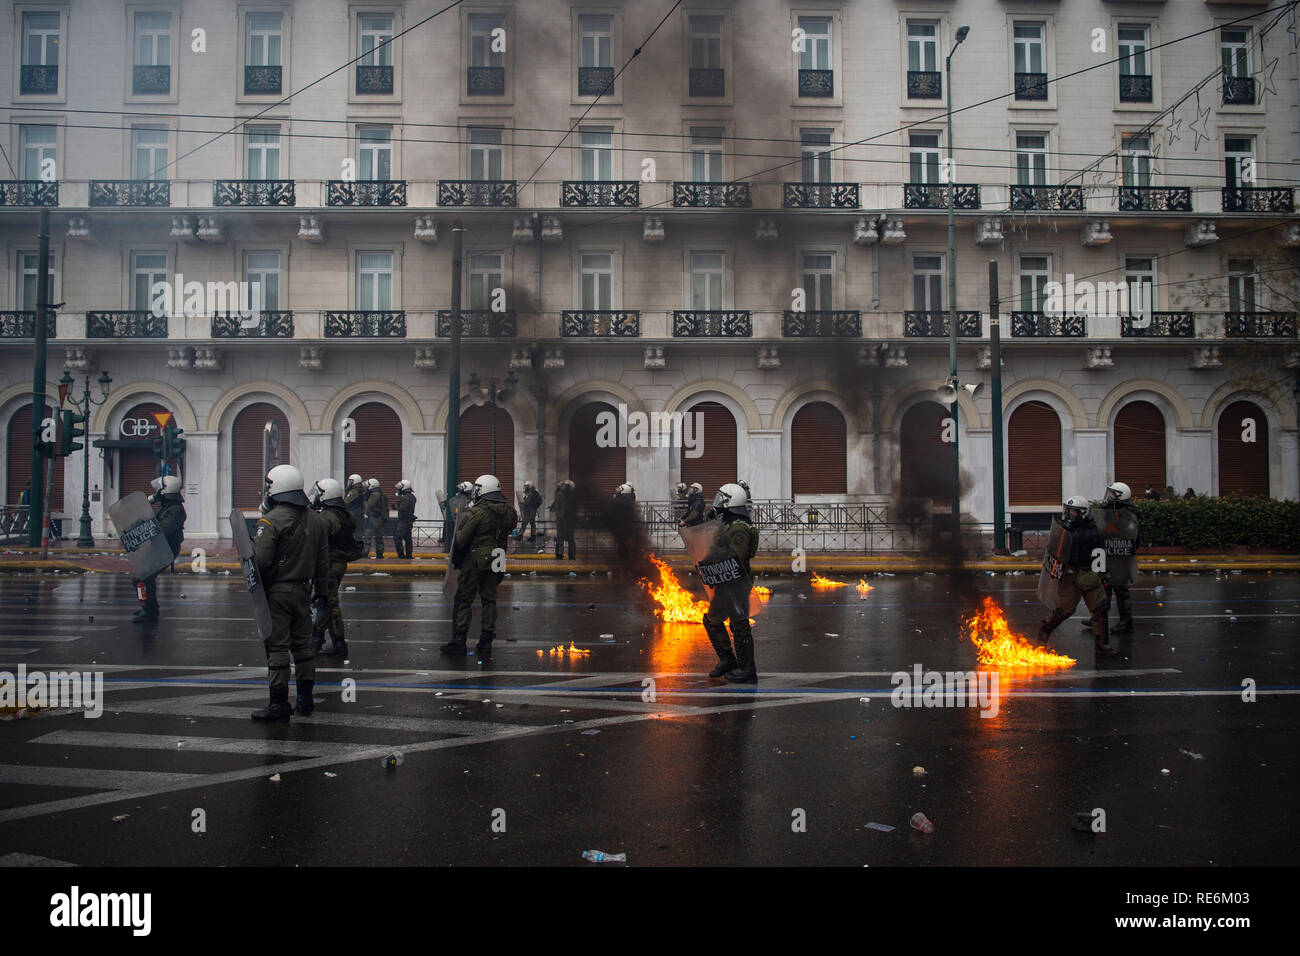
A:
1234	51
1029	56
1135	160
262	159
265	39
375	30
1140	276
816	53
153	39
37	145
147	268
597	279
263	268
597	154
923	157
706	43
480	41
40	39
1133	47
1238	157
150	151
374	281
374	153
596	41
485	274
706	280
923	46
1035	272
819	281
816	153
1031	159
1241	285
706	154
485	153
927	283
28	263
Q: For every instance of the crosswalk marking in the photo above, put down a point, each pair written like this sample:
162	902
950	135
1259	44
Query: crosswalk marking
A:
86	778
267	747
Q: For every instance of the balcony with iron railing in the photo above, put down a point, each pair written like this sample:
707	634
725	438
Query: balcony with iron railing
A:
29	192
934	324
126	324
822	324
1053	198
478	192
374	80
699	323
365	324
22	325
1268	199
1135	88
600	193
1259	325
599	322
820	195
1239	91
1155	199
1047	325
253	192
266	324
130	192
704	81
1031	86
713	195
924	85
478	323
595	80
39	79
485	81
1158	325
934	196
366	192
151	80
818	84
262	80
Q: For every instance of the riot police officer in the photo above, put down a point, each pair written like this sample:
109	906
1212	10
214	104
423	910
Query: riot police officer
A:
735	544
340	531
623	521
355	500
405	505
1121	550
486	528
532	500
1079	580
565	506
694	505
170	513
376	515
291	548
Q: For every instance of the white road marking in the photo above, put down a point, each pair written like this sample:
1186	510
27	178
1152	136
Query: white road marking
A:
87	778
26	859
225	745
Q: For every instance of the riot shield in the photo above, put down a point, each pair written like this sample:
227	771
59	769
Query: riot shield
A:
252	580
1119	527
451	579
727	577
1056	559
142	536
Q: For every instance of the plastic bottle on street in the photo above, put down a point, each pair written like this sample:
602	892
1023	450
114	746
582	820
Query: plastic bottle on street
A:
921	822
599	856
394	759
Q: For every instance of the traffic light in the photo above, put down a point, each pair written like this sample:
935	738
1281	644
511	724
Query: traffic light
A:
71	432
159	449
173	443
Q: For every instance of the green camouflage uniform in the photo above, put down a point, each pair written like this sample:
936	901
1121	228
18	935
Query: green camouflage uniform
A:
405	522
291	548
340	531
376	515
486	528
735	537
355	500
171	517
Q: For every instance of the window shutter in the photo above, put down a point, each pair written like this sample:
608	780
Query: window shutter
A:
1243	466
377	452
596	471
19	470
475	452
246	459
819	451
137	466
717	465
926	470
1034	456
1140	447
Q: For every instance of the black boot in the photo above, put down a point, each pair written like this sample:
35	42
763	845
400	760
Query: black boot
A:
721	642
455	646
305	703
484	646
317	642
1052	622
744	672
1125	602
1100	637
340	648
278	710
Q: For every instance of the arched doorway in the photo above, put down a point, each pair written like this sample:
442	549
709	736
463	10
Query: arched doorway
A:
1243	463
926	459
1140	447
715	447
377	451
259	440
18	447
136	464
819	451
474	456
1034	456
595	470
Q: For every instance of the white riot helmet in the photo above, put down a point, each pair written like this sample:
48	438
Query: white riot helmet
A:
624	489
372	483
485	485
681	489
1074	508
327	489
1117	491
466	488
283	479
403	485
354	480
166	485
527	485
568	483
696	488
730	497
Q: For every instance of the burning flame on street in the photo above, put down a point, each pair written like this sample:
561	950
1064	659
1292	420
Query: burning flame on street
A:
676	605
998	645
562	651
863	587
818	581
762	592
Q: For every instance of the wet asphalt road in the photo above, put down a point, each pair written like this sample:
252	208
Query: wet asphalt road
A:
502	767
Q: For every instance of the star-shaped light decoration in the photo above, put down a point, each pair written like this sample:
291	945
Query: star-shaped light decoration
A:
1199	127
1171	131
1264	78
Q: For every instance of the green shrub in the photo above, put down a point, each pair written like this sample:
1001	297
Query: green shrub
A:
1219	523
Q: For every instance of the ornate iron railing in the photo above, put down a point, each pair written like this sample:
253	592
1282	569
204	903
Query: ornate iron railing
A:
39	78
478	323
590	193
130	192
924	84
1258	199
126	324
1239	91
1031	86
153	80
478	192
697	323
22	325
1158	325
363	324
817	83
935	196
1259	325
821	324
485	80
731	195
1063	198
268	324
261	80
1042	325
934	324
374	80
595	80
1155	199
706	81
820	196
1135	88
253	192
601	322
366	192
28	192
13	521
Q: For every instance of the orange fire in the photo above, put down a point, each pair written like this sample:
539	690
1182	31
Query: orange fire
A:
863	587
762	592
676	604
818	581
998	645
561	651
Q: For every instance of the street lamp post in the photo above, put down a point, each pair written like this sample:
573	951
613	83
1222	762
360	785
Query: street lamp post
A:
962	31
492	398
84	538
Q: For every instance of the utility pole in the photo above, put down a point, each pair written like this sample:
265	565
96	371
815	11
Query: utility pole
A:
453	380
950	178
995	356
36	497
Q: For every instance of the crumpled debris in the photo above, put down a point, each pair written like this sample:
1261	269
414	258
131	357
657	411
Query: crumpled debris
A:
882	827
275	778
120	817
589	733
331	775
1165	772
1192	755
919	771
